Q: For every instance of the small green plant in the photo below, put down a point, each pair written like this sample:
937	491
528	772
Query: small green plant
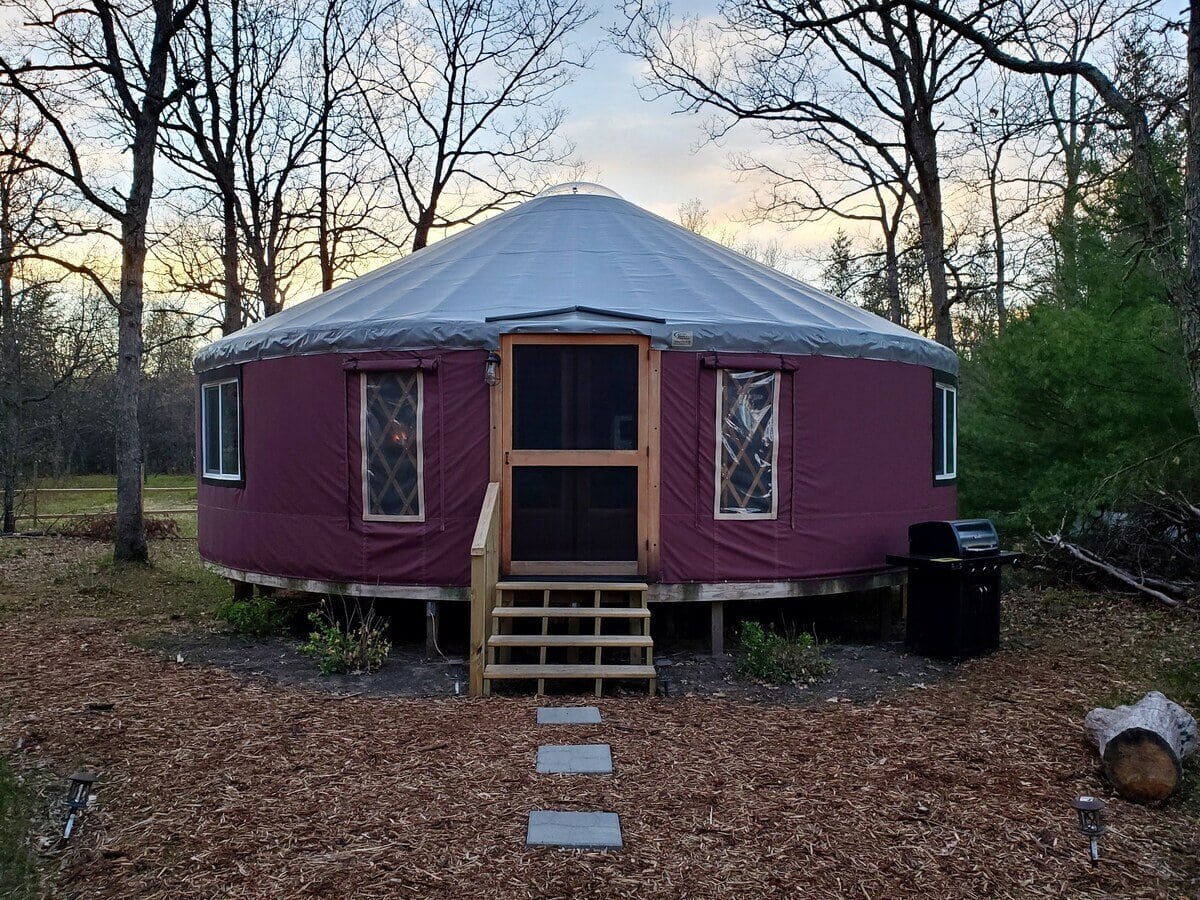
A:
347	637
767	655
259	617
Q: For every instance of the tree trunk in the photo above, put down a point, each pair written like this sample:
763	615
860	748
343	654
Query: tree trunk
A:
922	144
1068	240
324	235
232	300
268	287
891	270
130	545
9	362
1143	746
999	250
1188	304
424	226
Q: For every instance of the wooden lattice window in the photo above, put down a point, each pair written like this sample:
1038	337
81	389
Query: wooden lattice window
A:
747	444
393	482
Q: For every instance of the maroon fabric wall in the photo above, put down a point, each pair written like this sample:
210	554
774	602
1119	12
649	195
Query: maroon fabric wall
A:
855	470
299	514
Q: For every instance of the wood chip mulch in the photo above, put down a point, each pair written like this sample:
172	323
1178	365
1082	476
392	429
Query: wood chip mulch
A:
219	786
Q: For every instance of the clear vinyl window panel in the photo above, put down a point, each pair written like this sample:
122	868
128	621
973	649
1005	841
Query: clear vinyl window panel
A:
945	431
747	444
393	463
222	430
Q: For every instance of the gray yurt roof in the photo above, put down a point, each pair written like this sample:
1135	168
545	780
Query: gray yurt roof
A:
577	259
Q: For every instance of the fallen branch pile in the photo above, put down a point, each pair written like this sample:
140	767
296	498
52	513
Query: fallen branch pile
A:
1153	549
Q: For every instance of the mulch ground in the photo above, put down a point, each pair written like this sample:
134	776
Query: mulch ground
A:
218	785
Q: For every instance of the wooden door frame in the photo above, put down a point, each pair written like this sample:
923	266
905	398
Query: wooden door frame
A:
645	457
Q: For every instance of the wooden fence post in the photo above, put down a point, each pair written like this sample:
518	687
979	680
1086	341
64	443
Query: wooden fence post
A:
36	487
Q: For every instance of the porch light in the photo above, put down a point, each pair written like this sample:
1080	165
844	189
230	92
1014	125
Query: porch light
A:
491	369
1090	826
77	798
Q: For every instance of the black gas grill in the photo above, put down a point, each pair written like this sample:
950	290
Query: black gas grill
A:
954	587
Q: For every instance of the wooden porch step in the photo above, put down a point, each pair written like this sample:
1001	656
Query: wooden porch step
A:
572	586
570	640
570	612
497	672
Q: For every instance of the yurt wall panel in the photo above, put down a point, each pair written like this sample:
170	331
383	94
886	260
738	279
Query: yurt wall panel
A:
853	468
299	512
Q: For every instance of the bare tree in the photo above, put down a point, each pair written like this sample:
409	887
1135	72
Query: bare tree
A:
1072	111
994	33
349	204
459	100
693	215
203	138
842	179
869	74
115	56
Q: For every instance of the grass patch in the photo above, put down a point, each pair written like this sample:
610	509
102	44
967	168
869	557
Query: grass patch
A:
18	879
767	655
175	585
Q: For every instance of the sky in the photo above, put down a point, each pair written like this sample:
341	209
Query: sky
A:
658	158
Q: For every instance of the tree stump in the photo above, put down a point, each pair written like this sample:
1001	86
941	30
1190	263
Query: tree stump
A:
1143	746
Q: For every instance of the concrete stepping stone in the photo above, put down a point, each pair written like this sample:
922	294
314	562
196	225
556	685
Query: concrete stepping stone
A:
574	830
568	715
575	759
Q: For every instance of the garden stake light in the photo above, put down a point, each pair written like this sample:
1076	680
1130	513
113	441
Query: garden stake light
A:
1090	826
77	798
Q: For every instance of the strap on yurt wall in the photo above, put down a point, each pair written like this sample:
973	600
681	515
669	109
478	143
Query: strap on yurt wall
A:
390	365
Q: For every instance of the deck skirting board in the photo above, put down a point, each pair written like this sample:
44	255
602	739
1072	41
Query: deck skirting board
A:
692	592
716	592
422	592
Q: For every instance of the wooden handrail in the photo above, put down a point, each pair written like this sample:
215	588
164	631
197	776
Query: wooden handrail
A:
485	526
485	572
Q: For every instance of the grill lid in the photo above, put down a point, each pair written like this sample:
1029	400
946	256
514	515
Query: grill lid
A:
957	538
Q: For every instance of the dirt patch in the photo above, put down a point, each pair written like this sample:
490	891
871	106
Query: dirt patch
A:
407	673
860	672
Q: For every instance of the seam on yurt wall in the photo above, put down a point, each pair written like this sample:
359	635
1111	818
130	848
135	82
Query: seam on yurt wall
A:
346	395
792	448
441	457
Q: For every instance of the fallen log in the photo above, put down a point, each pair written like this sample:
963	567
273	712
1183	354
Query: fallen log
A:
1143	746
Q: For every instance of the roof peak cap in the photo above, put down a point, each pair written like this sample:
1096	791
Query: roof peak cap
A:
569	188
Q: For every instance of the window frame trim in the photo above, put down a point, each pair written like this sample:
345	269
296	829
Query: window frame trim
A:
363	375
944	385
216	379
773	515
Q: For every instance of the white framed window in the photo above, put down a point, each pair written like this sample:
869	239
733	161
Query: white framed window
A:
747	454
222	429
392	446
945	431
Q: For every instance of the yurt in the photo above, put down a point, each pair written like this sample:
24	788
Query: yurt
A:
596	394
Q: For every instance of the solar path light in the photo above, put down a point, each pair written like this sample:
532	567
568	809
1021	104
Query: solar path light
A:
1090	826
77	798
